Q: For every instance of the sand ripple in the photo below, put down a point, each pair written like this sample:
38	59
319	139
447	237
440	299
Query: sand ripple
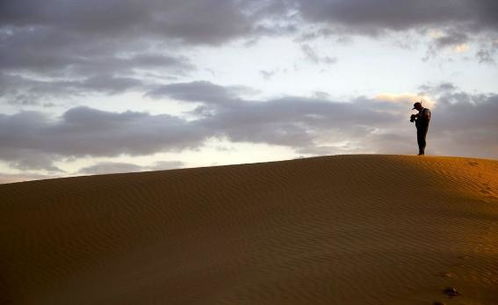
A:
365	229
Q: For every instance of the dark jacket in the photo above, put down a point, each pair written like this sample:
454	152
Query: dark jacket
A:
423	118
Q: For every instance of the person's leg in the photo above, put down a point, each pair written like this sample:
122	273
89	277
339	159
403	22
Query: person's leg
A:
426	129
420	141
421	134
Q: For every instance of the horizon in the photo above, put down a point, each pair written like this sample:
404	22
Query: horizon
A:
248	163
104	86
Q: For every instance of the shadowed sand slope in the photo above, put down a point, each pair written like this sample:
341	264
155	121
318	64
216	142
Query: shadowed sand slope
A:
365	229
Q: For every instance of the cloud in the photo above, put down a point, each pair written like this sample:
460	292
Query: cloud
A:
61	36
466	125
378	124
450	23
26	82
163	165
296	122
12	178
452	39
110	167
437	89
95	169
123	167
293	121
312	56
463	124
84	131
20	90
207	21
371	17
25	160
407	99
486	55
60	49
31	78
197	91
267	75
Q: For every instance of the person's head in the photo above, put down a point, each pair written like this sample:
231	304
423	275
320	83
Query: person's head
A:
418	106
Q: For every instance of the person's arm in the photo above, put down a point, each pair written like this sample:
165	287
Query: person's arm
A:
427	114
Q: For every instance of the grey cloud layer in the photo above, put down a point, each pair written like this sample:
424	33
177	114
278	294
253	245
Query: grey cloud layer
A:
214	21
458	21
63	47
373	125
61	33
206	21
121	167
463	124
372	16
197	91
82	131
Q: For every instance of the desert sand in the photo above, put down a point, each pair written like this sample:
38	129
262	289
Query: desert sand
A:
359	229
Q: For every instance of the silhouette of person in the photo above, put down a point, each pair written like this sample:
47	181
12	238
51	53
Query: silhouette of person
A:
421	119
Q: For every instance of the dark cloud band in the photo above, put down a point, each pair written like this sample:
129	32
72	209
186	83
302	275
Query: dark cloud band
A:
31	140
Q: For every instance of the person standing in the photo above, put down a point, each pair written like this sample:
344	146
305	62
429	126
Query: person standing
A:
421	119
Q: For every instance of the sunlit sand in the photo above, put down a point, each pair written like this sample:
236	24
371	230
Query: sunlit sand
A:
360	229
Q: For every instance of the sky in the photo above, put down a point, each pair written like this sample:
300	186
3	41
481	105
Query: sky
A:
94	87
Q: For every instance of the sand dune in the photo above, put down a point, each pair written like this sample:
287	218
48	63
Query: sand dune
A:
365	229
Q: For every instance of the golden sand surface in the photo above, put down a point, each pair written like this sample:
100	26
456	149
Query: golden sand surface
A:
357	229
